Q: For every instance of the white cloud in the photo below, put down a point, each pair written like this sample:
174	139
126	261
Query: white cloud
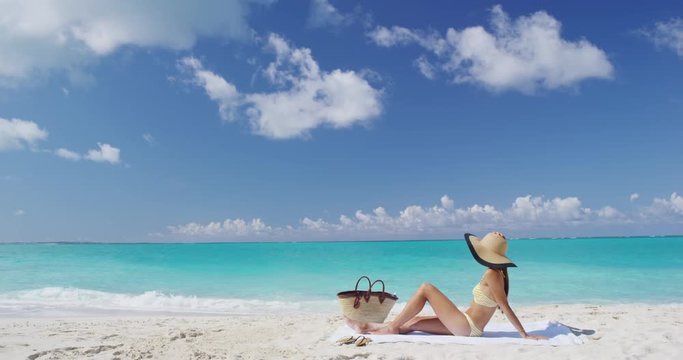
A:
67	154
218	89
524	214
634	196
228	227
665	209
16	134
324	14
105	153
447	202
533	209
19	212
41	36
425	67
149	139
398	35
609	213
523	54
307	97
667	34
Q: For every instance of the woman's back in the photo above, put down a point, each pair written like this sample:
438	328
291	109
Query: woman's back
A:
483	304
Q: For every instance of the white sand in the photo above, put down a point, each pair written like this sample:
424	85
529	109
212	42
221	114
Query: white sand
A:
631	331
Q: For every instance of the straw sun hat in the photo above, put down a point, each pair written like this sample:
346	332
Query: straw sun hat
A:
490	251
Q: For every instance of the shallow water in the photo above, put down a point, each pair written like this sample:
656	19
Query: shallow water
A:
294	277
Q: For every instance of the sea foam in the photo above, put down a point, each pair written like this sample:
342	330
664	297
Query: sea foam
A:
55	300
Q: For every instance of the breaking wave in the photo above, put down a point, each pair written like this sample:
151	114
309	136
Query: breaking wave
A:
57	300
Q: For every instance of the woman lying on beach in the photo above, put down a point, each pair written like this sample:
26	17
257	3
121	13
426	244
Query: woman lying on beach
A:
490	293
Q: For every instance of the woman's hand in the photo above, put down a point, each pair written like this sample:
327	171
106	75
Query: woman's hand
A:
535	337
496	284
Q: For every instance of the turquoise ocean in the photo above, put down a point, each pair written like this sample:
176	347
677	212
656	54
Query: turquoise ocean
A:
245	278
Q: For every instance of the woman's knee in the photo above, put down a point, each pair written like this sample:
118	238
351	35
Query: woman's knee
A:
427	287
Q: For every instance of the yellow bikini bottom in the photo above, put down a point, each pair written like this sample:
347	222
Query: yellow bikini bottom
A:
474	330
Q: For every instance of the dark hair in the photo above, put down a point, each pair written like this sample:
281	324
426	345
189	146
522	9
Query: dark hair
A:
506	281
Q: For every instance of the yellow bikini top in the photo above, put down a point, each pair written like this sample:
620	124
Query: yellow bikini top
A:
481	298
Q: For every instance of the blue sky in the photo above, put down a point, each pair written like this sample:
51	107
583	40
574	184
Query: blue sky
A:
333	120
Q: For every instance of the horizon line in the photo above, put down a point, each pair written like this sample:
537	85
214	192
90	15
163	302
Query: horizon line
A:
316	241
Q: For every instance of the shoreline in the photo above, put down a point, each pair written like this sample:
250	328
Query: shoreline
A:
621	330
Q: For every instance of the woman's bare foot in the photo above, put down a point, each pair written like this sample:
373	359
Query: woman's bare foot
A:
385	330
359	326
367	328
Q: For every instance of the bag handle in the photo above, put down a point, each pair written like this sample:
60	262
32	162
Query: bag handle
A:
356	303
381	295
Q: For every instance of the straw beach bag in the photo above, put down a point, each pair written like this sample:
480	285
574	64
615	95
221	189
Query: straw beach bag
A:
366	306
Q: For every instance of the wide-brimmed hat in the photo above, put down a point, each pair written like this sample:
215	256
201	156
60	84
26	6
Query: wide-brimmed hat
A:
489	251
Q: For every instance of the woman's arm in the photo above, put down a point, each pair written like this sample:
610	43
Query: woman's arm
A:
495	282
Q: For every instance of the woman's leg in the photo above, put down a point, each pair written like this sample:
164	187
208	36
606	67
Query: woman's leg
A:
446	312
429	324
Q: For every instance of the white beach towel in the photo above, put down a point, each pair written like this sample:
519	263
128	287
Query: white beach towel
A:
502	333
